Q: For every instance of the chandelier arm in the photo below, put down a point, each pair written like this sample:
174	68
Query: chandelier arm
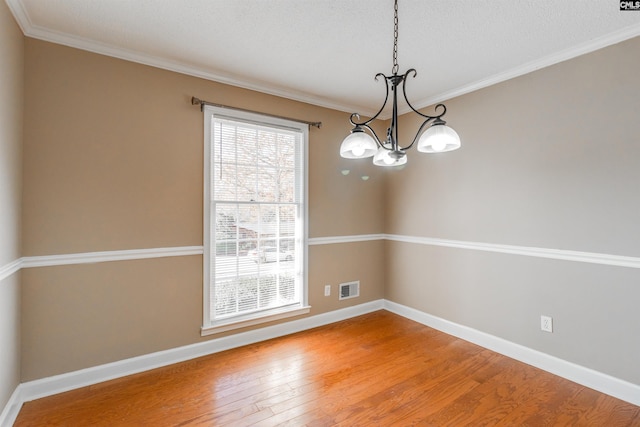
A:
404	93
373	134
396	155
419	132
386	98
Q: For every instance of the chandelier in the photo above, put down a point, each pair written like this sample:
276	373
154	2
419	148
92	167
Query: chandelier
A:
437	138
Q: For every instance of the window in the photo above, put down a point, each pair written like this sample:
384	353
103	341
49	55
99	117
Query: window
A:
254	219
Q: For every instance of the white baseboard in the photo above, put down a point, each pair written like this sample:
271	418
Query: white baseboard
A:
603	383
12	408
60	383
36	389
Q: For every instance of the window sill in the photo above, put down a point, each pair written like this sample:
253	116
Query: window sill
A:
236	323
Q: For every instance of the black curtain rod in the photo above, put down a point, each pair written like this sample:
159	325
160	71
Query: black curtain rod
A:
201	103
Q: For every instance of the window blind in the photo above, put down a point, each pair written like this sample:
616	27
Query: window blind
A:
256	217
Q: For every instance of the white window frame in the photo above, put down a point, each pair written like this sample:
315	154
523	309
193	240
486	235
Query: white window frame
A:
209	326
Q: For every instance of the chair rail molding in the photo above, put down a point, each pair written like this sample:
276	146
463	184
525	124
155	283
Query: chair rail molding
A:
11	268
558	254
134	254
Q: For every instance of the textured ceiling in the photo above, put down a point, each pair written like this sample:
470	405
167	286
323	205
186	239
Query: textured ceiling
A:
326	52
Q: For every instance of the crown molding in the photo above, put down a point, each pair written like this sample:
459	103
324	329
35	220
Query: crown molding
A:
555	58
20	14
40	33
31	30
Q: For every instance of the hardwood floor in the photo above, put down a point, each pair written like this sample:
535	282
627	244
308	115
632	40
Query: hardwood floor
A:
374	370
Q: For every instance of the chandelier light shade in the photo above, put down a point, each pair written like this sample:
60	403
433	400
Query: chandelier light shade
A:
433	135
358	145
383	158
438	139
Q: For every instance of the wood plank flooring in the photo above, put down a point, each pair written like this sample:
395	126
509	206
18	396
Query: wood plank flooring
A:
374	370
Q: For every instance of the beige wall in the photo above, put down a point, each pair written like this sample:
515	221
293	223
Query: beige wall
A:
11	116
113	154
549	160
113	161
11	95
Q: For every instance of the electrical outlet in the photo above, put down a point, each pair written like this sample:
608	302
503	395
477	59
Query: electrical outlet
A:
546	324
327	290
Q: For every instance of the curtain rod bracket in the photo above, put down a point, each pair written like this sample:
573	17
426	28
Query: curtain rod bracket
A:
201	103
197	101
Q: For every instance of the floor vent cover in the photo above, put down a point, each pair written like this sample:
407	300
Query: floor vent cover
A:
349	290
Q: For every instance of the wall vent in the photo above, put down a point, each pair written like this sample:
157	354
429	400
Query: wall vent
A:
350	290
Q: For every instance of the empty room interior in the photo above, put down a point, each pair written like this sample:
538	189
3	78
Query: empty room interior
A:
144	223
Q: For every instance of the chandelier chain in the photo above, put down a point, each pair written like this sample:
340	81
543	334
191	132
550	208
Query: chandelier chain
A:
395	68
433	136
